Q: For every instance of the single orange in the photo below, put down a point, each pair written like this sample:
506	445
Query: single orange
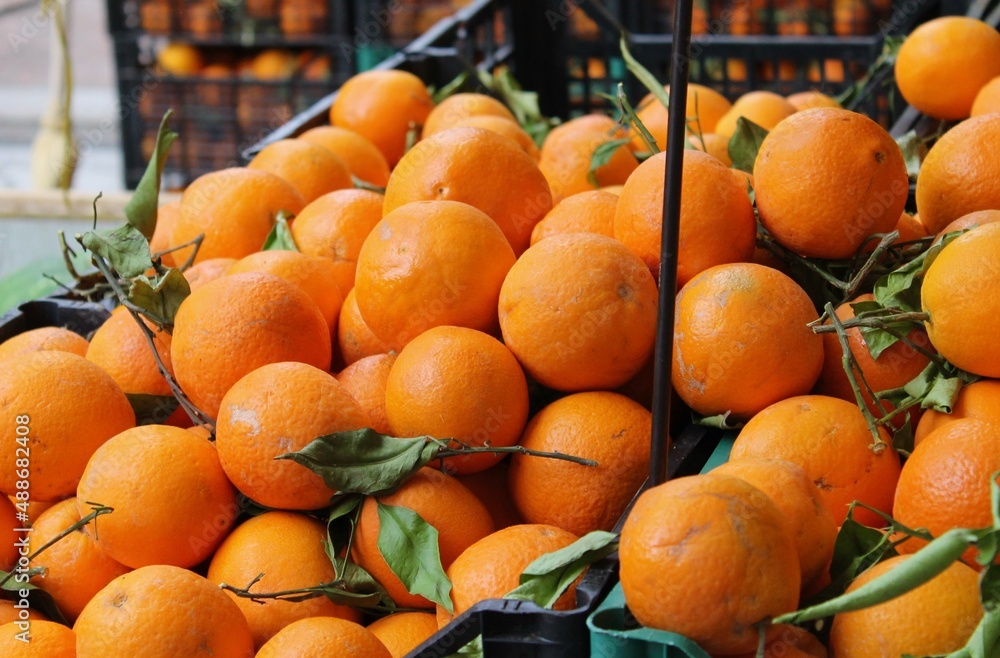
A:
705	106
507	128
566	155
979	401
810	100
9	613
318	637
971	220
363	159
354	336
44	339
765	108
207	270
715	145
166	220
42	639
313	170
586	212
402	632
458	107
987	100
366	379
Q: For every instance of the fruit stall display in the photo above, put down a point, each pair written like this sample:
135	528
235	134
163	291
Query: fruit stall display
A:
386	390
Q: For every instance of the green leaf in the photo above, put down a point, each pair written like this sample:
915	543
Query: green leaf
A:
901	287
647	79
942	393
152	409
358	581
451	88
633	119
364	461
161	297
989	587
602	155
409	546
856	549
910	145
125	248
280	238
365	185
745	143
878	340
141	209
719	421
473	649
548	577
38	599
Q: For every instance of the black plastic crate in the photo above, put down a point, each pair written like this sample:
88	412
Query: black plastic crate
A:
77	316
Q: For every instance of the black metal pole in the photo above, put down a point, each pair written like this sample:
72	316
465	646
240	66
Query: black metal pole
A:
679	61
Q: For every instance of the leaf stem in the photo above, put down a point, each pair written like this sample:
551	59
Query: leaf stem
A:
444	453
196	242
878	322
850	363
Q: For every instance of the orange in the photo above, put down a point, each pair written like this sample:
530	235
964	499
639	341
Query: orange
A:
319	637
579	312
586	212
708	557
312	169
9	550
382	107
829	439
234	325
235	209
827	211
798	500
287	548
477	167
507	128
492	567
957	292
936	618
458	107
741	342
277	409
717	224
354	337
987	100
790	642
716	146
335	226
162	612
945	483
76	567
167	510
363	159
180	59
273	64
910	228
764	108
979	401
959	174
491	487
63	408
9	613
460	518
403	632
166	220
944	63
810	100
566	154
430	264
462	384
366	379
43	639
971	220
705	106
207	270
606	427
315	276
44	339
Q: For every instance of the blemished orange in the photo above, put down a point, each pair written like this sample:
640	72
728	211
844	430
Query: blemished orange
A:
335	226
8	522
705	106
403	632
166	220
287	548
44	339
979	400
363	159
945	483
314	275
366	380
715	145
167	510
76	568
829	438
462	384
971	220
477	167
717	223
492	567
382	107
56	394
960	174
276	409
318	637
605	427
586	212
456	513
935	618
798	500
987	100
43	639
491	487
149	612
828	210
741	342
708	556
430	264
944	63
312	169
234	325
957	292
567	151
764	108
458	107
235	209
507	128
207	270
9	613
810	100
354	336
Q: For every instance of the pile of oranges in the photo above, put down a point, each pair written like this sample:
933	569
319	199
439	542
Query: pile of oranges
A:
502	293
